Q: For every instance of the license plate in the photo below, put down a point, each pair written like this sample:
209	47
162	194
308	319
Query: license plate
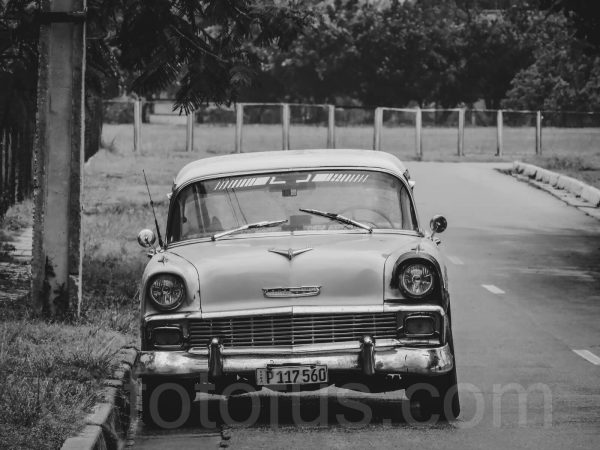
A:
291	375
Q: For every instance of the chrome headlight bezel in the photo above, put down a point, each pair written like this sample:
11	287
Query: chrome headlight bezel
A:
171	285
434	270
423	273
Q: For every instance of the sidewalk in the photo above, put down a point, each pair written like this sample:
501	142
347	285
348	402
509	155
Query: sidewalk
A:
15	265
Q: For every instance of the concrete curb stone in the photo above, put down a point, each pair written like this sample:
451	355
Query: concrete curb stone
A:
591	194
106	427
584	197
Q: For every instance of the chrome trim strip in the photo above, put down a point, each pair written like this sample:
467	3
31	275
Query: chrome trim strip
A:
290	292
302	349
383	307
414	308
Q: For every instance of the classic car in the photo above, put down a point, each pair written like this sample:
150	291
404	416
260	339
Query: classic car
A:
296	270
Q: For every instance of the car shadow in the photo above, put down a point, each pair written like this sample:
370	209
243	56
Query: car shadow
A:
325	408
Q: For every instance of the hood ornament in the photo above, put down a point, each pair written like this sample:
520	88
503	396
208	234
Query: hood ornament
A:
290	252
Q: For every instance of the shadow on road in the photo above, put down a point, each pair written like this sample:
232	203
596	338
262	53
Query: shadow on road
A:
326	408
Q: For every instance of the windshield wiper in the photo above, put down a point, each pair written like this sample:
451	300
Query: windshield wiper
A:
249	226
338	217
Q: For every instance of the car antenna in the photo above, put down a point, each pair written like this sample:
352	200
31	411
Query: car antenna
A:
160	241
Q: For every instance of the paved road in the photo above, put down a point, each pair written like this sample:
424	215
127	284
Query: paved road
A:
525	285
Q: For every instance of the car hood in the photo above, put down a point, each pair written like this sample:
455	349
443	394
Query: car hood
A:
348	268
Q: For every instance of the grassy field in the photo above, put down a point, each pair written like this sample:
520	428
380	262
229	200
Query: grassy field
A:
438	143
574	151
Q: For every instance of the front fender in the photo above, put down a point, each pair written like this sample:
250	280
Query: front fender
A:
427	250
166	262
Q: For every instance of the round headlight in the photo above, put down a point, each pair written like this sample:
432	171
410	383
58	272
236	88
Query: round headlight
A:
167	291
417	280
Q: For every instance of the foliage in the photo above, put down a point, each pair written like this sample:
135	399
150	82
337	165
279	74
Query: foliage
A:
204	46
563	75
399	53
18	64
585	16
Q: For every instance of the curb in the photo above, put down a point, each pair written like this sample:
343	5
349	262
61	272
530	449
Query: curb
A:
584	197
106	427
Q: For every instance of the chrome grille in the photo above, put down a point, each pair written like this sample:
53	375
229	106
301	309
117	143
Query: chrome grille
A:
264	331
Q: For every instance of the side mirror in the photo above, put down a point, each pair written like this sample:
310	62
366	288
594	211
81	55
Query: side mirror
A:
437	224
146	238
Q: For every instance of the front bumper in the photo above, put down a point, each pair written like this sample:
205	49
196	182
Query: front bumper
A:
385	356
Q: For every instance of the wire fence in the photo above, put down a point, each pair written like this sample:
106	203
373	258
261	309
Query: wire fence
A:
153	128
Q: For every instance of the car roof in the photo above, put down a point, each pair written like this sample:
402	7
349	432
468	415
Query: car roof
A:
284	160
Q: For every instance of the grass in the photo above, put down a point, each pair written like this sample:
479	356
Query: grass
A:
50	377
51	373
439	143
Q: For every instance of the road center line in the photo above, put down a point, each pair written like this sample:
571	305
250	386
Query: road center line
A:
586	354
455	260
493	289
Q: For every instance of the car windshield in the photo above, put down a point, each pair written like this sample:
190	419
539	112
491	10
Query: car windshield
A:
209	207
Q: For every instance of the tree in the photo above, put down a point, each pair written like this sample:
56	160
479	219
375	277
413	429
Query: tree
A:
585	17
320	65
497	47
206	46
18	69
396	53
563	76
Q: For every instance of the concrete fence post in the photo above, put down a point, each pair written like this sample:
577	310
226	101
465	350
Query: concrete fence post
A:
239	123
418	130
499	132
57	248
285	123
461	132
377	126
538	133
137	125
330	126
189	135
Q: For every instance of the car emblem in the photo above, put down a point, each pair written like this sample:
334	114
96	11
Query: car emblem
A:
301	291
290	252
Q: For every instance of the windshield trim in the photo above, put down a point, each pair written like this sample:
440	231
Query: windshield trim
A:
177	189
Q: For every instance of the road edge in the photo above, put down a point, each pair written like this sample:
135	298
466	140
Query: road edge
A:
106	427
574	192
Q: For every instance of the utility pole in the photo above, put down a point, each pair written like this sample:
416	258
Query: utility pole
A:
57	245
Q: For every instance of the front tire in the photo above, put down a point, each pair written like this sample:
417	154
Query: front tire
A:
437	396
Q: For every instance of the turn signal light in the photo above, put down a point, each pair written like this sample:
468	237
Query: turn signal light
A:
419	326
167	336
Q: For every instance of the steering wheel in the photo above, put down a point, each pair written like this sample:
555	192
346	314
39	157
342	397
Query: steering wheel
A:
350	212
